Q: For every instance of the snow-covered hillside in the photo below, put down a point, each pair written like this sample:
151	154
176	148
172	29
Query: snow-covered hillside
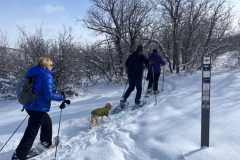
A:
168	130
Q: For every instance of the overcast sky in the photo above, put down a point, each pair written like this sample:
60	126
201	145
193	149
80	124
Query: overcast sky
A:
52	14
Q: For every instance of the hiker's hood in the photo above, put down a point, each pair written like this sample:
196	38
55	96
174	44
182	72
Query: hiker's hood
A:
35	70
154	54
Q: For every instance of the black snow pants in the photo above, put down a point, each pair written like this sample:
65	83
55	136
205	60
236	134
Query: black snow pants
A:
36	120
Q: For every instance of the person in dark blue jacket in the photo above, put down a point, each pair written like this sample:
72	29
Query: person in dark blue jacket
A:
134	64
154	71
37	110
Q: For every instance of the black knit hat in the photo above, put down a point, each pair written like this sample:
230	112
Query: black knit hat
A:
139	48
155	50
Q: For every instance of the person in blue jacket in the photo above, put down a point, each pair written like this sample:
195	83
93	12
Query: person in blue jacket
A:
37	110
154	71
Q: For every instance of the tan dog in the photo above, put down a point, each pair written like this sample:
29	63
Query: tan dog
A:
100	112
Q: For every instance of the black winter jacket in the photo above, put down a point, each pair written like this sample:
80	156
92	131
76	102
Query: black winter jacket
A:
139	59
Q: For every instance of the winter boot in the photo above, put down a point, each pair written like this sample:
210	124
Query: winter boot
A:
45	145
149	91
138	102
156	91
15	157
122	102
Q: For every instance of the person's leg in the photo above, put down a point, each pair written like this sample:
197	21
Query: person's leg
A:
46	131
138	82
34	123
150	82
156	77
130	88
148	74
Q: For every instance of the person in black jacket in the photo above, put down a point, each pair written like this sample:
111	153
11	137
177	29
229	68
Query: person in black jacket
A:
134	64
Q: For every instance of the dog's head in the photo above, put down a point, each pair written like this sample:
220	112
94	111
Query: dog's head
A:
109	105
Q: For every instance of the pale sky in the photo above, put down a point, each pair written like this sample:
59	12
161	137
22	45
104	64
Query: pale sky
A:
52	14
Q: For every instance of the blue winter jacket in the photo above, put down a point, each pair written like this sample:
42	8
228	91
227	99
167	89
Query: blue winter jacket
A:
156	58
44	83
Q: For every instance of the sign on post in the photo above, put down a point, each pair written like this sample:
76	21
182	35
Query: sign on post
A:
205	107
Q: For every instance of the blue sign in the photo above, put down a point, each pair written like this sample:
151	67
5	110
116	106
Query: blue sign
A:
206	67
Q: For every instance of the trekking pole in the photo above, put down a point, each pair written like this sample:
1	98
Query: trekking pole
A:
162	80
144	82
13	133
153	84
58	132
125	88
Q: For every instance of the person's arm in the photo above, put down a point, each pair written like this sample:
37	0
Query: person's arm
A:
48	90
145	60
163	63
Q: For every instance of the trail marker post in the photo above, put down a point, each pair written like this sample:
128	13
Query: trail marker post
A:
205	107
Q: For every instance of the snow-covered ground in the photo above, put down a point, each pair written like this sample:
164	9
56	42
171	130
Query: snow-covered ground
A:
168	130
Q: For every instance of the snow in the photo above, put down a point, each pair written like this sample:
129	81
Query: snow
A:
168	130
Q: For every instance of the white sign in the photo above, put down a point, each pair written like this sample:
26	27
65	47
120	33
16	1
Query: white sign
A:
206	60
206	74
206	86
205	97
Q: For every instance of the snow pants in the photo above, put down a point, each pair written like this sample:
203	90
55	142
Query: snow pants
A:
153	82
36	120
134	82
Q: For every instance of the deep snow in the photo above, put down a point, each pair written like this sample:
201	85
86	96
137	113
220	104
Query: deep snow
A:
168	130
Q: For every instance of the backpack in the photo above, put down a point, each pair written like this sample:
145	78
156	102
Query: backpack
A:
24	90
134	63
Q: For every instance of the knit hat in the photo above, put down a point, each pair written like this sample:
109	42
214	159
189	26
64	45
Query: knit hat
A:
139	48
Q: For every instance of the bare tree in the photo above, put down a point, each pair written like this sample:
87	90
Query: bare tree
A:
7	67
63	51
4	44
121	21
172	11
195	28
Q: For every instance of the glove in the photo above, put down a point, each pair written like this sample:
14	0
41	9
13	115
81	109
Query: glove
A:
62	106
67	101
151	63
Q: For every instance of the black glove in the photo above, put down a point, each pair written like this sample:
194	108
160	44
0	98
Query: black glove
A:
151	63
62	106
67	101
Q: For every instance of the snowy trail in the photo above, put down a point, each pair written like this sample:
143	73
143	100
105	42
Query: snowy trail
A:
76	136
168	130
82	139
